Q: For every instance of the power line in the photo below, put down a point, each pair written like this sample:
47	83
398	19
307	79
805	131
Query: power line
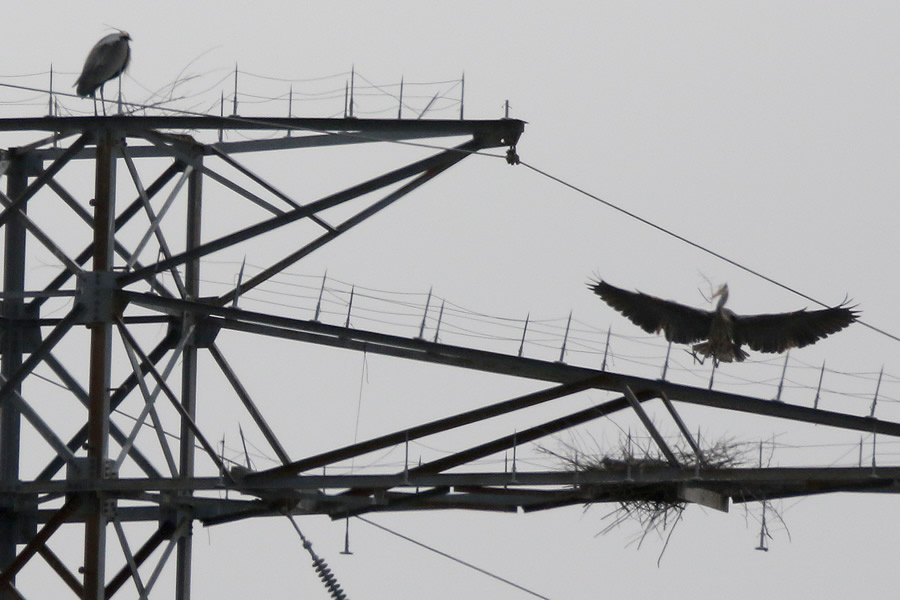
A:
453	558
696	245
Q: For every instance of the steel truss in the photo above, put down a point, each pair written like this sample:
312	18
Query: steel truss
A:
143	323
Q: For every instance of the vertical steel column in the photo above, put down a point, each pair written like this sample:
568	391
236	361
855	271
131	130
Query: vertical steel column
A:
100	327
189	373
12	349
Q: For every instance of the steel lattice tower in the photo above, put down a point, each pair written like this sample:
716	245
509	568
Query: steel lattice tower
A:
134	321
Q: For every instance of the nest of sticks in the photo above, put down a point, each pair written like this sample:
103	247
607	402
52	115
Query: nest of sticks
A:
657	509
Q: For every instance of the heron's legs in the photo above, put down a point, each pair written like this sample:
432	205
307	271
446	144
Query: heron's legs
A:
94	98
698	358
119	97
102	100
701	358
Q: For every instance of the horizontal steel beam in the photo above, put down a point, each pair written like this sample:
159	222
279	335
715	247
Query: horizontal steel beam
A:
505	364
473	491
295	142
647	474
498	132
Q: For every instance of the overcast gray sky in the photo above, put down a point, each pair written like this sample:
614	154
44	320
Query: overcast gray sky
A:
764	131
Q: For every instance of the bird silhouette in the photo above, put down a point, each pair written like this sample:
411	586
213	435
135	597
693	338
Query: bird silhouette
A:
107	60
721	333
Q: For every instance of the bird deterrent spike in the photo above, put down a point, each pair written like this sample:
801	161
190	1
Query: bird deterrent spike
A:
237	288
50	101
562	351
606	349
352	86
462	95
235	99
787	356
319	302
290	107
244	444
524	331
346	97
877	388
762	528
437	328
425	314
350	306
666	364
701	459
221	111
819	387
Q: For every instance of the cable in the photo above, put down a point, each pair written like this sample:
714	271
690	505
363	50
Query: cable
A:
453	558
700	247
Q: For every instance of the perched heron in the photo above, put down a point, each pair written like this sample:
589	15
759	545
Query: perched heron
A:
107	60
721	333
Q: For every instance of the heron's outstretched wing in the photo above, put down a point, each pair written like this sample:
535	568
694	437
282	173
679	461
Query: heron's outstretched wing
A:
778	332
681	324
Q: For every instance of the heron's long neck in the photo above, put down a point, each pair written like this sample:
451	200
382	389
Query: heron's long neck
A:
723	298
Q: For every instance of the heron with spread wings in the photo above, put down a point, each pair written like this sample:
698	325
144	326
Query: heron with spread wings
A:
720	333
